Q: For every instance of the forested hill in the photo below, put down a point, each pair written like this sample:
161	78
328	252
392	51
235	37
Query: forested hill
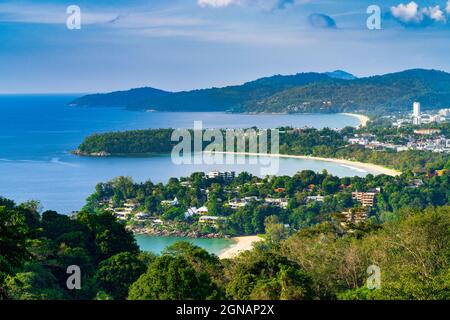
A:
214	99
335	91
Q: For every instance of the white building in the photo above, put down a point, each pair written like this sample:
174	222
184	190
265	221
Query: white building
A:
212	220
225	175
417	121
190	212
436	119
173	202
141	216
237	203
202	211
444	112
282	203
416	109
315	199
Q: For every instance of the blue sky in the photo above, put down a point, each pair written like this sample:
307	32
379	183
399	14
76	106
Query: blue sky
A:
187	44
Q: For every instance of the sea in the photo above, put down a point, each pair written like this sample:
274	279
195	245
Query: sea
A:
38	133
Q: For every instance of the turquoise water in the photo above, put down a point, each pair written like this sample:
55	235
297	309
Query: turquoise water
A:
37	133
157	244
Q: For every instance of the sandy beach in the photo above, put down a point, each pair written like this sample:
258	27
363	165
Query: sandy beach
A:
363	120
241	244
359	165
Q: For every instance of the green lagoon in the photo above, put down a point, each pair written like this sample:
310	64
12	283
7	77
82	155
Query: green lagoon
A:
156	244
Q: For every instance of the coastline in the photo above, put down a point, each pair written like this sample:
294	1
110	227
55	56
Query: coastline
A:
360	165
363	120
241	244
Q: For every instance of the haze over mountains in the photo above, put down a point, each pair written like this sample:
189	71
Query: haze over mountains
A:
330	92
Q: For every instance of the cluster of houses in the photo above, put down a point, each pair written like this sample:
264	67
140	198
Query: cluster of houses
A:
367	199
122	213
369	141
241	203
436	144
428	140
423	139
127	212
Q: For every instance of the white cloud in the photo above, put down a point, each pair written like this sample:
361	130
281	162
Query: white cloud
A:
411	13
448	7
216	3
407	13
263	4
435	13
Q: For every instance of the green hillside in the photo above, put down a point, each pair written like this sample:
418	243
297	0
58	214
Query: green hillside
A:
337	91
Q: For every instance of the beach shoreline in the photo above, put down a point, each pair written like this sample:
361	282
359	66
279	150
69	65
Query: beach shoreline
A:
241	244
359	165
363	120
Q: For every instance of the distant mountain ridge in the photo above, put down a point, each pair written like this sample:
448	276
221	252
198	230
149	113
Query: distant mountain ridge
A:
330	92
339	74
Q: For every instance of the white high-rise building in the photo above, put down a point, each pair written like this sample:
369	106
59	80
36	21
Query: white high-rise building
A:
416	109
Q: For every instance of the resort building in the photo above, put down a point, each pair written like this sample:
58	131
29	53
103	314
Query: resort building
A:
367	199
172	203
122	215
213	221
282	203
353	216
202	211
315	199
240	203
185	184
141	216
190	212
237	203
227	175
130	205
157	221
